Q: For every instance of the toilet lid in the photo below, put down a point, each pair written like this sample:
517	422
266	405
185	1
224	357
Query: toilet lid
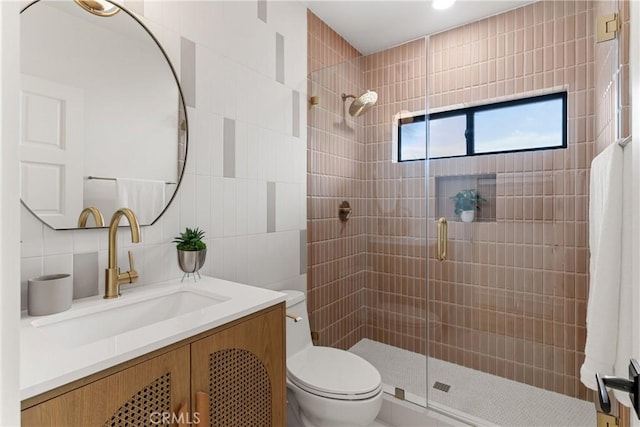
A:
334	373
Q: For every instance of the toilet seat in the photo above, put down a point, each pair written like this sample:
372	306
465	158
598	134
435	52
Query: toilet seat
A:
334	373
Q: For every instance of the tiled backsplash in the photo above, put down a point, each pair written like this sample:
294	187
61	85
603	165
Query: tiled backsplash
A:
243	71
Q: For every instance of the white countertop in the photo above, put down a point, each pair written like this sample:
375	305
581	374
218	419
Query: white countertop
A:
47	363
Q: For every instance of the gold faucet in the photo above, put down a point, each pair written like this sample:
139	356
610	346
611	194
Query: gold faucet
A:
84	215
113	277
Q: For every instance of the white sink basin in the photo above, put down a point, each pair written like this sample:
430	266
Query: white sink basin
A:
96	334
122	316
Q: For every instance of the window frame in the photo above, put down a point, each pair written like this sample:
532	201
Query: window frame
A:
407	120
469	112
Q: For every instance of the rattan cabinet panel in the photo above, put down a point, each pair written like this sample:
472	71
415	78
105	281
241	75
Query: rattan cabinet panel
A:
137	396
242	370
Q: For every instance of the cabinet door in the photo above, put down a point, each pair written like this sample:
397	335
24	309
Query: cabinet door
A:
137	396
242	370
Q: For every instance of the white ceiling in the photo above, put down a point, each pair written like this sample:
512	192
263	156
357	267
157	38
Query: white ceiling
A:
374	25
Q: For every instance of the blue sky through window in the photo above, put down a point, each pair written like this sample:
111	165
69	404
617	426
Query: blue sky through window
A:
413	141
519	127
525	124
447	136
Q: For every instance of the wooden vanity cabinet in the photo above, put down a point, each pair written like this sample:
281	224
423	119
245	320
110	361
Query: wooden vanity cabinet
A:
234	375
134	396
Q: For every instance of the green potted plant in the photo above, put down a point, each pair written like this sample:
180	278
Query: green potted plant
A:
192	251
466	203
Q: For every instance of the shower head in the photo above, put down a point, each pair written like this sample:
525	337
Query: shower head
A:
361	104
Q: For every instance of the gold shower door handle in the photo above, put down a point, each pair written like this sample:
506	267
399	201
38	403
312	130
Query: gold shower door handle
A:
442	238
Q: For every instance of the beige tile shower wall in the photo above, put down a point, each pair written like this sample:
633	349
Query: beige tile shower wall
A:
335	172
612	77
511	298
396	204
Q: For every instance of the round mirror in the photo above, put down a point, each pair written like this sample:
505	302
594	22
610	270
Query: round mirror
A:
102	120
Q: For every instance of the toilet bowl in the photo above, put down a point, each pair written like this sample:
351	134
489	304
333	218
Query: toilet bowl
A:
327	386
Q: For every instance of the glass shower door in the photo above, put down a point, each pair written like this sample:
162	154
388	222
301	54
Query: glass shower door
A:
507	305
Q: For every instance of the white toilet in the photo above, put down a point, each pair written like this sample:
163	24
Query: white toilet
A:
326	386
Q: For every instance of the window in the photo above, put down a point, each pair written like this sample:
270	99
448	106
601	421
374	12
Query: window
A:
412	137
537	123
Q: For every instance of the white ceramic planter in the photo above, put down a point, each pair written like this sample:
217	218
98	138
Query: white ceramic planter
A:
467	216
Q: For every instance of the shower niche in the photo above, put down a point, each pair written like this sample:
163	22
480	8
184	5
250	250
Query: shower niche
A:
448	186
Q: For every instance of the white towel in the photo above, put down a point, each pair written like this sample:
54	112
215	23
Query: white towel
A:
623	350
605	244
144	197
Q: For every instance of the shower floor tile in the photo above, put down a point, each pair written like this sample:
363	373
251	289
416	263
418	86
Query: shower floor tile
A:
489	399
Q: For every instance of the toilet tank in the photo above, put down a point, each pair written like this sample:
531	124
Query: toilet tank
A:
298	333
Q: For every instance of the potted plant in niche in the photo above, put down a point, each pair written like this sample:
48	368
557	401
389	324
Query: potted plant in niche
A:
466	203
192	251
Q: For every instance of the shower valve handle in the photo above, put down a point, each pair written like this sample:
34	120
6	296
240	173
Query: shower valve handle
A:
631	386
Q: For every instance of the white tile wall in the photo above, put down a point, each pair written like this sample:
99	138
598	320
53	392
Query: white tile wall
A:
235	78
287	206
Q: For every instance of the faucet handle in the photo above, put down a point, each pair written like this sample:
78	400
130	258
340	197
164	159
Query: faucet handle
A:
131	261
130	276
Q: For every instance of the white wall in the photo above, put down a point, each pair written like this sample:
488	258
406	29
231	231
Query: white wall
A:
235	78
9	214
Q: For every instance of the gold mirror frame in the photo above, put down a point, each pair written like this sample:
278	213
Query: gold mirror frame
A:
97	7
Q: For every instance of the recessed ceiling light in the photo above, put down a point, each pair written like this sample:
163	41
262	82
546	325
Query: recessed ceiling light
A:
442	4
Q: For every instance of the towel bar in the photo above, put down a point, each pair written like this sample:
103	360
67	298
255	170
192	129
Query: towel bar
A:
624	142
102	178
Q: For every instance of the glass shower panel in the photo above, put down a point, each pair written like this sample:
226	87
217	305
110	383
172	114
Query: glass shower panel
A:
507	305
337	270
367	275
